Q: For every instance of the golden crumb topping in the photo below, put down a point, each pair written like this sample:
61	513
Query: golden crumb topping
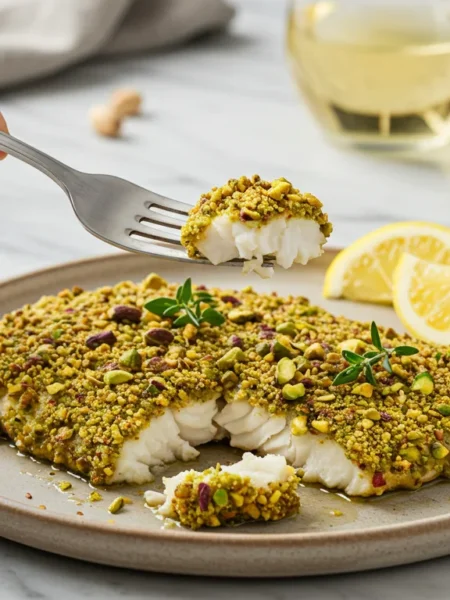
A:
253	202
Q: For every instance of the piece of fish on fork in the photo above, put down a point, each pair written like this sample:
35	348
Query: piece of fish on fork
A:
115	210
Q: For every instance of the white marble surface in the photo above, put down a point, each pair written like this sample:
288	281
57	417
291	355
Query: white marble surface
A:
219	108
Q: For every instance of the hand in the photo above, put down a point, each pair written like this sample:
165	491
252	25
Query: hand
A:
3	127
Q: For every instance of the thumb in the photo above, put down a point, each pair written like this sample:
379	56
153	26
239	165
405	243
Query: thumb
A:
3	127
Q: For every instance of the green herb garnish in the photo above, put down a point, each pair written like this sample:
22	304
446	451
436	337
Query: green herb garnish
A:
186	307
363	364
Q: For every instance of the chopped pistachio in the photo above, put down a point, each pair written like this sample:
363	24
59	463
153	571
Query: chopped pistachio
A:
116	505
229	379
220	497
117	376
439	451
95	496
363	389
281	350
64	485
315	351
326	398
293	392
241	315
373	414
230	358
423	382
400	372
262	348
131	359
299	425
354	345
287	328
411	454
321	425
285	370
55	388
302	363
413	436
396	387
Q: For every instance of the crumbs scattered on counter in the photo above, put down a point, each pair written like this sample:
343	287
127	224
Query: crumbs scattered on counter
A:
95	497
116	505
64	486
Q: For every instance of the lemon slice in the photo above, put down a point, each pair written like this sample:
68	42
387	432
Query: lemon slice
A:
421	294
364	270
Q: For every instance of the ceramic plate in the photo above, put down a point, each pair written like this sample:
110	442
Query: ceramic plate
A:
395	529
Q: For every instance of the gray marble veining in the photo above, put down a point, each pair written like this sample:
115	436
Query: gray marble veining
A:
218	108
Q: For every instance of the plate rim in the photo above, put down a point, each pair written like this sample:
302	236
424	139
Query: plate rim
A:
286	540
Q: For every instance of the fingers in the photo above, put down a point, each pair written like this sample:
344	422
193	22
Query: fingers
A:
3	127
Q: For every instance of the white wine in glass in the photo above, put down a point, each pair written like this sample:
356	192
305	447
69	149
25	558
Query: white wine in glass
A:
376	73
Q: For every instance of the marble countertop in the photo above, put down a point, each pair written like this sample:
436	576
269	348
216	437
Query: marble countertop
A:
221	107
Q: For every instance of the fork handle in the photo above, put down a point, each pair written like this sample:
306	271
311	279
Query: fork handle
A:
59	172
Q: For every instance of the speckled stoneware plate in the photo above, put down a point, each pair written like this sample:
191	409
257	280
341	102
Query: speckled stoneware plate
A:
398	528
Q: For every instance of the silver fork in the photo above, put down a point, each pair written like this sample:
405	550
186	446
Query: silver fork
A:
115	210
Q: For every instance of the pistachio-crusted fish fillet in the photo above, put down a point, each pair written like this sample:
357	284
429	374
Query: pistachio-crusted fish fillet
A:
250	218
253	489
93	381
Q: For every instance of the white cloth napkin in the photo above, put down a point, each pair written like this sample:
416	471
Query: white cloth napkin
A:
41	37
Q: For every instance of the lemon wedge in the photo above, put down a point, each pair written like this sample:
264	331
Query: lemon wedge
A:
364	271
421	294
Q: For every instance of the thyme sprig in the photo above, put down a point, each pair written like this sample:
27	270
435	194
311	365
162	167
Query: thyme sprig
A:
186	307
363	364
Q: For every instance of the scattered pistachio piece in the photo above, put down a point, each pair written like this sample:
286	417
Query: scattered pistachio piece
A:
64	485
116	505
95	497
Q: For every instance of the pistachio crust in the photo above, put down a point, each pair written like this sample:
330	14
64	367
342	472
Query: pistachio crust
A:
214	498
252	201
61	404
